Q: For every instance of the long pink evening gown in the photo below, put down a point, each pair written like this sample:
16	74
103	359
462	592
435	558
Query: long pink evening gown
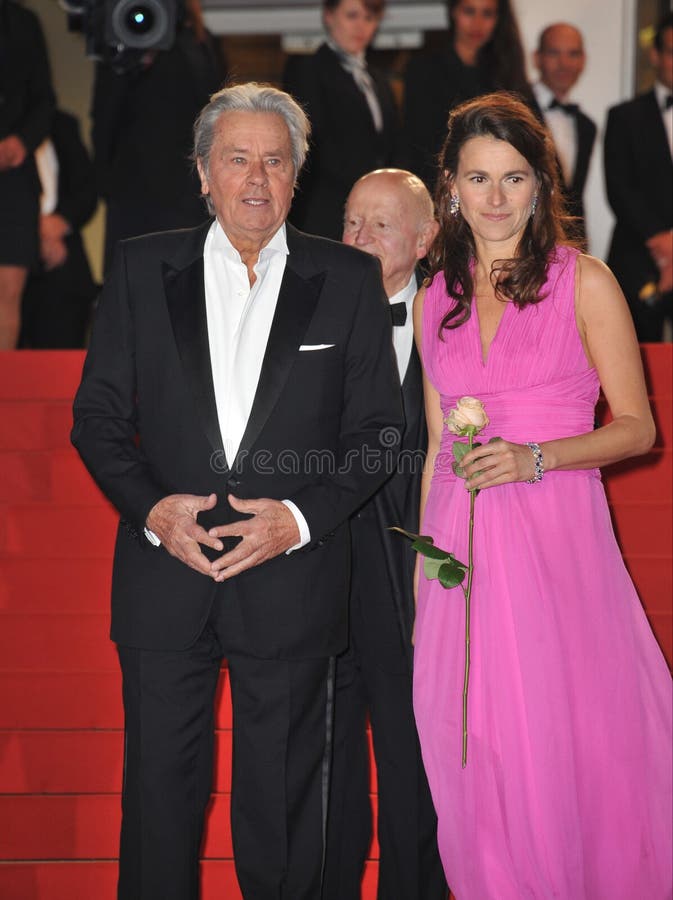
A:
567	789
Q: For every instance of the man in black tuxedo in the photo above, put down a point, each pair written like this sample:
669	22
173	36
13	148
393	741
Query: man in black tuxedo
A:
639	180
59	295
560	59
389	214
235	409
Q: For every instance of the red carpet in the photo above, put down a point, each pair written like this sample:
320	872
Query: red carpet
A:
60	706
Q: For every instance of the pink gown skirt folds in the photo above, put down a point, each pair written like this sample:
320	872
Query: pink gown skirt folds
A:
567	790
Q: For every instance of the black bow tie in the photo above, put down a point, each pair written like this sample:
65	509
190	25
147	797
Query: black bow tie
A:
568	108
398	312
668	101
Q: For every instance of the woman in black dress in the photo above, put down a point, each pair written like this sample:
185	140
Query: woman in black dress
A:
26	106
352	113
484	53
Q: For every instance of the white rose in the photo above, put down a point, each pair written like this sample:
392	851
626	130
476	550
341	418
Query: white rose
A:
468	413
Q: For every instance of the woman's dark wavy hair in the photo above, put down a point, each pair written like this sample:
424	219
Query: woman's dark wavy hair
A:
503	117
502	56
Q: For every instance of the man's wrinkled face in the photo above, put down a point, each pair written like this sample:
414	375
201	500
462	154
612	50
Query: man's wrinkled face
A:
250	176
383	218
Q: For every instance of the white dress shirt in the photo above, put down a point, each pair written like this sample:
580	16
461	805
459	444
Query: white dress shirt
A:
403	335
563	129
661	94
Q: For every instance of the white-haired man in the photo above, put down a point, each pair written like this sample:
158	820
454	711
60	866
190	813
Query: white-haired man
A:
230	404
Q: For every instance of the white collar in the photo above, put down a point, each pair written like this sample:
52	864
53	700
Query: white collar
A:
661	92
222	244
407	294
544	96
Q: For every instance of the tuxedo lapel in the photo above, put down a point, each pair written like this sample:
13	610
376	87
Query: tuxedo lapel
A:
296	304
412	386
585	141
186	301
654	133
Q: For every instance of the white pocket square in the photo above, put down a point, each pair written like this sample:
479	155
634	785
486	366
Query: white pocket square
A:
316	346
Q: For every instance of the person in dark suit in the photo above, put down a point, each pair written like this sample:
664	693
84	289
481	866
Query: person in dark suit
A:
639	180
241	351
483	53
560	59
389	214
27	103
58	297
142	122
352	112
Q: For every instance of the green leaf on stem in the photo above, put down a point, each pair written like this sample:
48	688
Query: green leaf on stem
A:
437	563
459	451
451	574
423	544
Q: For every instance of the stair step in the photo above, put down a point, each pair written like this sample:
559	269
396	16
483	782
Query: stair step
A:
40	374
662	626
64	532
657	365
653	578
28	584
69	826
59	642
90	762
96	880
74	700
643	529
80	762
35	424
644	480
55	476
662	410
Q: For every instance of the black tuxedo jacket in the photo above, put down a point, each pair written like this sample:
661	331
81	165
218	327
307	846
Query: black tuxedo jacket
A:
397	502
313	437
344	142
639	181
573	193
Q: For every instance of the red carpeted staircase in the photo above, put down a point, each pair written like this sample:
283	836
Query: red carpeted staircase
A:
60	706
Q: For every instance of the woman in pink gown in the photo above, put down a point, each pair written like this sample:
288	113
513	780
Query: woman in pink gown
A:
567	788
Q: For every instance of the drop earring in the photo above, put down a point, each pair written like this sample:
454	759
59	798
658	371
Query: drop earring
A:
533	206
454	205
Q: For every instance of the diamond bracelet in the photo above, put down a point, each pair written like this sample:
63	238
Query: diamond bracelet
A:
539	462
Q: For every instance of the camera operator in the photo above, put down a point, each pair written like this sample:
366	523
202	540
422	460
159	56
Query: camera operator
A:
142	131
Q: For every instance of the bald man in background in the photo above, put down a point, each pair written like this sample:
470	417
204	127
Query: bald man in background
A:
560	60
390	215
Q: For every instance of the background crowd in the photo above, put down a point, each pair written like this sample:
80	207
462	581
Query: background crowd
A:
141	120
